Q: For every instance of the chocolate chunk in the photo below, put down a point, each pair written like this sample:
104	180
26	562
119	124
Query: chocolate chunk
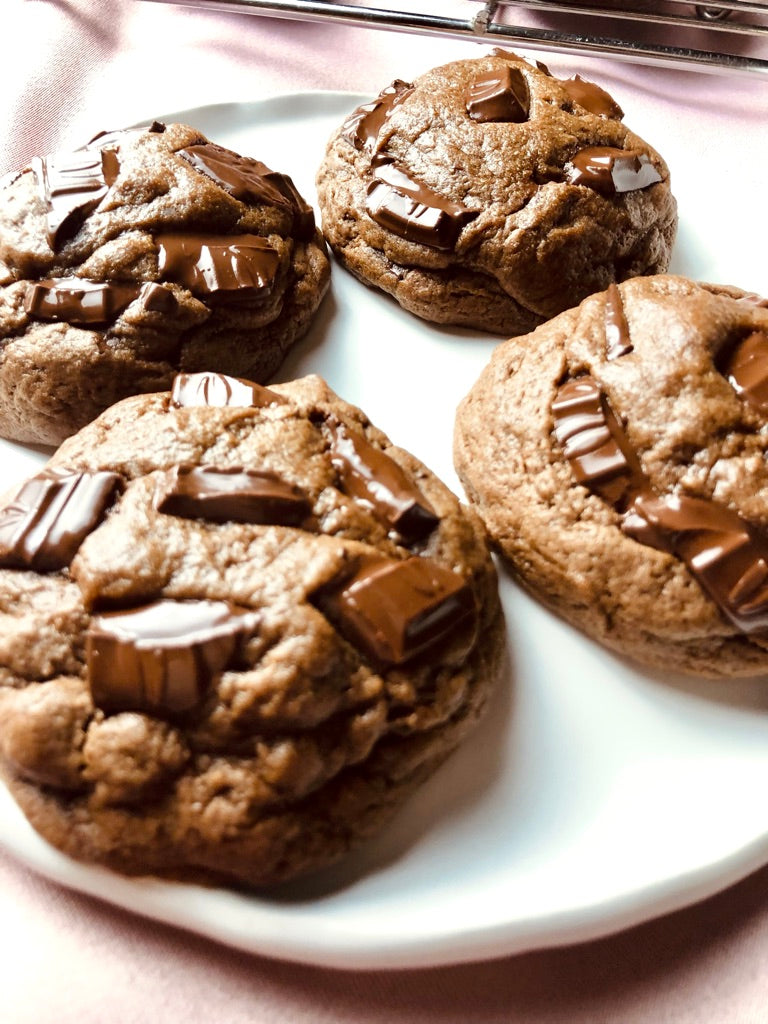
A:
592	98
499	95
250	181
240	266
727	556
393	611
114	139
157	298
414	211
72	185
610	171
75	300
617	340
162	657
363	126
594	441
745	365
373	478
51	515
230	495
723	551
191	389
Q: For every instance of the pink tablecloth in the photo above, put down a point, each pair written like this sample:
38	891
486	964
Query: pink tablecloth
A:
72	67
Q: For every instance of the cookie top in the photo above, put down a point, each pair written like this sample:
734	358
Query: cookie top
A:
490	194
618	458
240	626
145	252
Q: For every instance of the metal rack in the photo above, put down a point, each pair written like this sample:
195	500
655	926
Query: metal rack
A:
726	36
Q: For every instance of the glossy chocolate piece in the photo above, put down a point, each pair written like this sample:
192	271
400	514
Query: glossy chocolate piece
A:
217	389
722	550
162	657
611	171
114	139
230	495
592	98
594	441
414	211
78	301
617	340
499	95
252	182
745	365
374	479
241	266
72	185
727	556
363	127
157	298
51	515
394	611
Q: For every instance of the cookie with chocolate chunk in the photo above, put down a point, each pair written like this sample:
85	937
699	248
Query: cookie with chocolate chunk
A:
146	252
239	628
492	195
618	458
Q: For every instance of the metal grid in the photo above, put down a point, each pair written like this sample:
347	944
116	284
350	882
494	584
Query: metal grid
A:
726	36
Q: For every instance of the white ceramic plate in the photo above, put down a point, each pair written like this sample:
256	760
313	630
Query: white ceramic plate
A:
595	795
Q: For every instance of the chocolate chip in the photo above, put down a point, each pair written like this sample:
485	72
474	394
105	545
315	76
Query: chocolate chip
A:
162	657
414	211
498	95
393	611
373	478
51	514
230	495
208	388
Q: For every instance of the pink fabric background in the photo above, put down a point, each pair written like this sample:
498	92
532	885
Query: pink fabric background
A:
72	67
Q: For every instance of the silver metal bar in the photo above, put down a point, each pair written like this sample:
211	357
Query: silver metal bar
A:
484	24
651	17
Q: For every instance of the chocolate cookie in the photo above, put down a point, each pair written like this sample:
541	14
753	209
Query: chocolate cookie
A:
618	458
492	195
239	627
145	252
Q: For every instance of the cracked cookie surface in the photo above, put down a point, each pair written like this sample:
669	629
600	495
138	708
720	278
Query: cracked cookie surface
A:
270	627
143	253
618	458
492	195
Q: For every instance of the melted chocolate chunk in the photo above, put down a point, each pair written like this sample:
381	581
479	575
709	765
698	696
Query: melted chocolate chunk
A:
114	139
594	441
215	266
746	367
499	95
363	126
51	515
72	185
727	556
250	181
157	298
723	551
617	340
162	657
593	98
230	495
414	211
393	611
371	477
611	171
217	389
78	301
